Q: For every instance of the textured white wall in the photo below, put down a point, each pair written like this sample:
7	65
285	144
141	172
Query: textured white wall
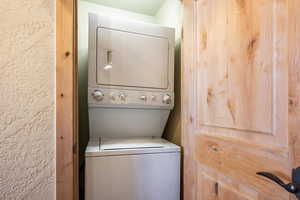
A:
27	99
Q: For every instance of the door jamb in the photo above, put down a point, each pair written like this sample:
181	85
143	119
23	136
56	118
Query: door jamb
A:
67	168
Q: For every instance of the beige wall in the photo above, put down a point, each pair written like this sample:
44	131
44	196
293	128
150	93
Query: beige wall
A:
27	104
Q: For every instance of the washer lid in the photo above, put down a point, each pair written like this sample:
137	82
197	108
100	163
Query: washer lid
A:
109	147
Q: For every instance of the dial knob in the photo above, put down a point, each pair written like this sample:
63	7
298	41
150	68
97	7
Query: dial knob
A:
98	95
167	99
122	97
143	98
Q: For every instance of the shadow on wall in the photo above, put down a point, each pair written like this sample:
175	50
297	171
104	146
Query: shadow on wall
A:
173	128
83	103
83	115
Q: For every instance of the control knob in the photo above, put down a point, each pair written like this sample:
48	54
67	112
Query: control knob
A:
122	96
143	98
98	95
167	99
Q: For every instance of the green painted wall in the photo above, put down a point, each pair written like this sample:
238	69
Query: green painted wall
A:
170	14
146	7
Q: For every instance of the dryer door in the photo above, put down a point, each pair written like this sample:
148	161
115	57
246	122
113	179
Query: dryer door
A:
131	59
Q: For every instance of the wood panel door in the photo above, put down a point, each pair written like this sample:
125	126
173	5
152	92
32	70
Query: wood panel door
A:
241	95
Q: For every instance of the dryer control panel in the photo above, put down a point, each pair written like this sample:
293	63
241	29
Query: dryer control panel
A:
113	97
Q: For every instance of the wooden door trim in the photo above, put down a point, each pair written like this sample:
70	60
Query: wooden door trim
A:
188	46
294	87
66	100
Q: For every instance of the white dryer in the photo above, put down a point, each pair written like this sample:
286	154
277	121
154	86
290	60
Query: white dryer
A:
130	96
131	77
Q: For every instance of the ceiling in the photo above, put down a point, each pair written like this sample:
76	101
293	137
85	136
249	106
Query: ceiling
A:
146	7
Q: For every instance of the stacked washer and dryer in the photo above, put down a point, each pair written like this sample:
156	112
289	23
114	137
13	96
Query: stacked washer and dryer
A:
130	96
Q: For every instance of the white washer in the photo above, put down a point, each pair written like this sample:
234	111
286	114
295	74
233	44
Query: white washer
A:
132	169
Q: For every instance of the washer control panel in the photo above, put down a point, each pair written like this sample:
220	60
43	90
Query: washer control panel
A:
130	97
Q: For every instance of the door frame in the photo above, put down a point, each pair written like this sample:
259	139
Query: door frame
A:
67	168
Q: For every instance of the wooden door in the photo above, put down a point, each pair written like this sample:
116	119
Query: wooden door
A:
241	97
